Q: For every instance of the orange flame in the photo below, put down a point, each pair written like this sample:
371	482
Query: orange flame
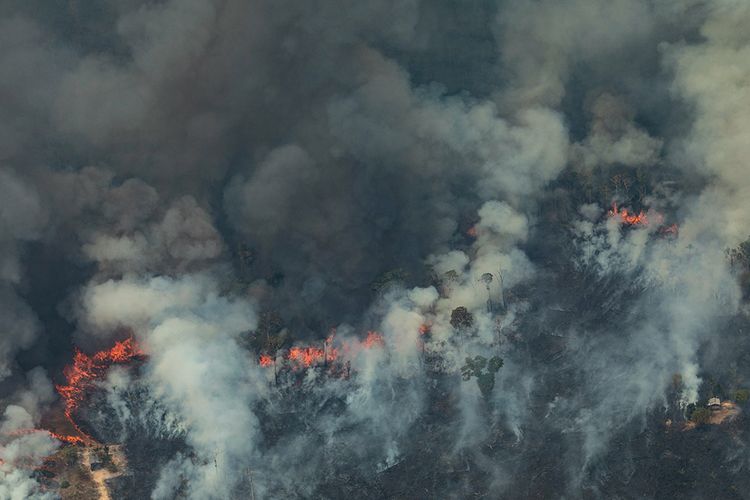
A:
85	370
305	357
424	329
265	360
69	439
59	437
374	339
628	218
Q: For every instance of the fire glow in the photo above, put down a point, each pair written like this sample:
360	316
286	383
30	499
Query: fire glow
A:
59	437
306	357
265	360
626	217
83	372
374	339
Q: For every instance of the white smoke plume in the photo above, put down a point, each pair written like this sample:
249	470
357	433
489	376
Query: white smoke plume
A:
431	181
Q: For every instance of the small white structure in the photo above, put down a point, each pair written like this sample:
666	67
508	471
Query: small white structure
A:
714	403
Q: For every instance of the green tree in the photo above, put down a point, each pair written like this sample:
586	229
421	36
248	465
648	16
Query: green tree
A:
484	371
741	395
461	318
701	416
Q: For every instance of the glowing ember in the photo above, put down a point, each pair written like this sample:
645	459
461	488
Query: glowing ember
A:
306	357
628	218
424	329
472	232
83	372
59	437
69	439
374	339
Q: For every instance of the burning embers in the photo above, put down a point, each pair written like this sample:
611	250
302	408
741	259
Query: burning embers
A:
84	371
305	357
300	358
59	437
374	339
627	217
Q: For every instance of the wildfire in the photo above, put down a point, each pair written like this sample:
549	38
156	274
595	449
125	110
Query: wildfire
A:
374	339
629	218
59	437
306	357
472	232
424	329
265	360
83	372
69	439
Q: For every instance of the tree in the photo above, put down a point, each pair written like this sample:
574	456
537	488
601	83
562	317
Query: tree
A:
741	395
461	318
393	277
447	282
487	280
484	371
701	416
269	336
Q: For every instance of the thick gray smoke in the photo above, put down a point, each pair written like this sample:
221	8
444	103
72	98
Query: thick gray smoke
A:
228	179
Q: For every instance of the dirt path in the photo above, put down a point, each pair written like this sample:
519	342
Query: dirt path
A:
726	413
88	455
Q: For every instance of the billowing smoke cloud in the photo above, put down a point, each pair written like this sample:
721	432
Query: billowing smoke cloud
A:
197	369
23	447
413	194
22	219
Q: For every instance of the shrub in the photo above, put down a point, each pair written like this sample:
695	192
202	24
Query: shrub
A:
701	416
741	395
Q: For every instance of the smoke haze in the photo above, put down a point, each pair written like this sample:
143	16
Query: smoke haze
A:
381	249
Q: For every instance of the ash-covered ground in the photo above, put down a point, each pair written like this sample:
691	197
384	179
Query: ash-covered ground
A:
383	249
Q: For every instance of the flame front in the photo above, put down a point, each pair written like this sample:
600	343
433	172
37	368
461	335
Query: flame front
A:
85	370
627	217
300	357
374	339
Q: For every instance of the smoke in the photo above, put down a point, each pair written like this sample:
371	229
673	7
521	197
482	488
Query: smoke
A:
20	450
423	184
22	218
709	75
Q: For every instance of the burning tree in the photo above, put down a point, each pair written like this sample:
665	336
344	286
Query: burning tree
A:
627	217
